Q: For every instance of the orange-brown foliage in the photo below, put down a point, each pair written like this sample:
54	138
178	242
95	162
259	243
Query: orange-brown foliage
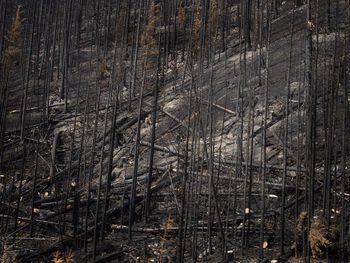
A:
121	22
64	257
167	225
13	39
301	231
216	15
182	19
196	33
57	258
10	55
101	71
322	237
150	36
8	256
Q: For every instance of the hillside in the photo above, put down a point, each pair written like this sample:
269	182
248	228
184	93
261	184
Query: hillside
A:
174	131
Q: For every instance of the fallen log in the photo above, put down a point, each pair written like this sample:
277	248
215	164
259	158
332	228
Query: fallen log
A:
269	166
219	107
53	153
281	144
162	149
132	122
257	165
276	120
58	174
34	255
109	257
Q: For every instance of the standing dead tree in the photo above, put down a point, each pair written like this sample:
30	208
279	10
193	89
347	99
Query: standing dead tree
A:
8	64
150	53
